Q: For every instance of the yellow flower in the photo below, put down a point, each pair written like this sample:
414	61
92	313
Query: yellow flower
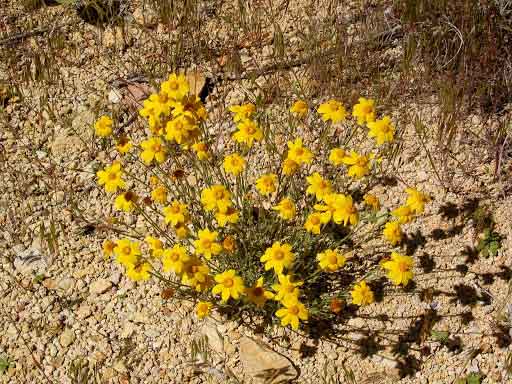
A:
229	244
399	268
299	108
358	164
175	259
156	246
416	200
103	127
181	129
291	313
372	201
139	271
290	167
330	260
108	247
126	201
127	252
196	275
383	130
286	288
175	213
216	198
286	209
332	110
203	309
336	156
234	164
364	111
206	244
392	232
201	151
340	208
362	294
153	148
314	223
404	214
278	257
123	145
257	294
247	133
111	177
242	112
228	285
231	215
175	87
181	230
298	153
318	186
266	184
159	194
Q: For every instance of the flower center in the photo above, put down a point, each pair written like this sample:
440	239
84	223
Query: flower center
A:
228	283
288	288
175	209
279	255
403	267
361	162
315	220
206	243
258	291
299	151
332	259
112	176
127	250
219	195
294	310
251	130
174	256
156	148
174	85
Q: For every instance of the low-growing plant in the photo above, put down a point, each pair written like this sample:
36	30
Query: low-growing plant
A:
269	221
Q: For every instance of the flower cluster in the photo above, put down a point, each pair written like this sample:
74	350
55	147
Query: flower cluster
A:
223	227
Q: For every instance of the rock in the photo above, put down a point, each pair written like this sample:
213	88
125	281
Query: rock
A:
115	278
114	96
67	338
100	286
30	261
119	367
264	364
67	284
215	339
84	311
63	145
128	329
49	284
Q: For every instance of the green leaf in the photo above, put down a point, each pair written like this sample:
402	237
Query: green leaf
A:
473	378
440	336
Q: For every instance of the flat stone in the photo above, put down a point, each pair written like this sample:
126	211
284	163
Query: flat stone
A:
67	338
264	364
100	286
215	339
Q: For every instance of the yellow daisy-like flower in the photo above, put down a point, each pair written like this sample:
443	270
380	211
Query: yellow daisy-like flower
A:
242	112
156	246
338	207
196	275
336	156
358	164
181	230
181	129
416	200
364	111
362	294
266	184
103	126
231	215
175	87
330	260
332	110
217	197
257	294
201	151
287	288
382	130
290	167
126	201
399	268
404	214
248	132
298	153
139	271
127	252
124	145
153	148
299	108
175	259
278	257
318	186
206	244
234	164
228	285
159	194
175	213
285	208
314	222
108	248
111	177
203	309
392	232
292	312
372	201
